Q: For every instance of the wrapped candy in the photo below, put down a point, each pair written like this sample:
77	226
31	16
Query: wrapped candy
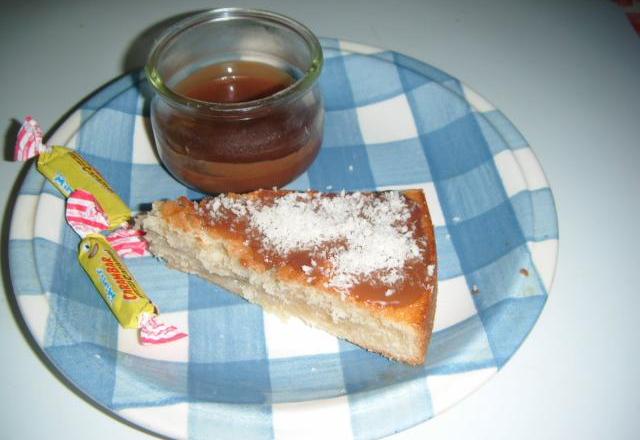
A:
116	284
94	207
85	215
67	170
124	296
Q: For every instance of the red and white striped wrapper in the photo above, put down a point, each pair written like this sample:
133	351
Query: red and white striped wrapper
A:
153	331
128	242
85	216
29	140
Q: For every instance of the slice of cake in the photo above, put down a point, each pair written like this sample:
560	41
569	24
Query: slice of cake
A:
361	266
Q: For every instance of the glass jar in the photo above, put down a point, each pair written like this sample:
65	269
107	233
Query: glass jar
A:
243	142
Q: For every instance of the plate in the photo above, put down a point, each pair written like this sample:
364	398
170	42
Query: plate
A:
391	122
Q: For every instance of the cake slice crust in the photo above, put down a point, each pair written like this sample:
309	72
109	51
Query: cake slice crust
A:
361	266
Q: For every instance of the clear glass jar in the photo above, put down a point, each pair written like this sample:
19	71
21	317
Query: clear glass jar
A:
236	146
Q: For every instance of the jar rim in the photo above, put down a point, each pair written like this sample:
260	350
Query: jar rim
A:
304	83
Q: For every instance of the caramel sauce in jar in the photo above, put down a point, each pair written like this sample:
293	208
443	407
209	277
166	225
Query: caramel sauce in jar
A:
234	81
261	149
237	104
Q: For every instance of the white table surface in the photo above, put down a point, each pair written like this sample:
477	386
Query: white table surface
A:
567	74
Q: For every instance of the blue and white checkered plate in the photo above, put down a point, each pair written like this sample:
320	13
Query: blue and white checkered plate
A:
391	122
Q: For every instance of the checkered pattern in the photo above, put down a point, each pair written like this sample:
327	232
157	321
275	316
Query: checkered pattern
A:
391	122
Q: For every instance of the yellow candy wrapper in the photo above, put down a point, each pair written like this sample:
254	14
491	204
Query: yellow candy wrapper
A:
67	170
116	284
93	206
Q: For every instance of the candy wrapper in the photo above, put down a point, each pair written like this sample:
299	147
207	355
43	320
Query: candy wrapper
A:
67	170
129	242
115	283
109	274
85	215
121	292
29	140
93	207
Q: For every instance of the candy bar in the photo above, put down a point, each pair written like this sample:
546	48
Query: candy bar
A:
93	207
122	293
67	170
116	284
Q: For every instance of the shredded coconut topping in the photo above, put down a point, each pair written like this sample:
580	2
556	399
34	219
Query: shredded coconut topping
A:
367	233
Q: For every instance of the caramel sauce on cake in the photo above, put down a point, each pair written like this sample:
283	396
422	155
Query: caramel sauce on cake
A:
371	247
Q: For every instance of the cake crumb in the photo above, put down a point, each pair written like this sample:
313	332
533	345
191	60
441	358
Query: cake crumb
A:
524	272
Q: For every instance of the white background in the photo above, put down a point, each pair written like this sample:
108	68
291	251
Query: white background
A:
567	74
